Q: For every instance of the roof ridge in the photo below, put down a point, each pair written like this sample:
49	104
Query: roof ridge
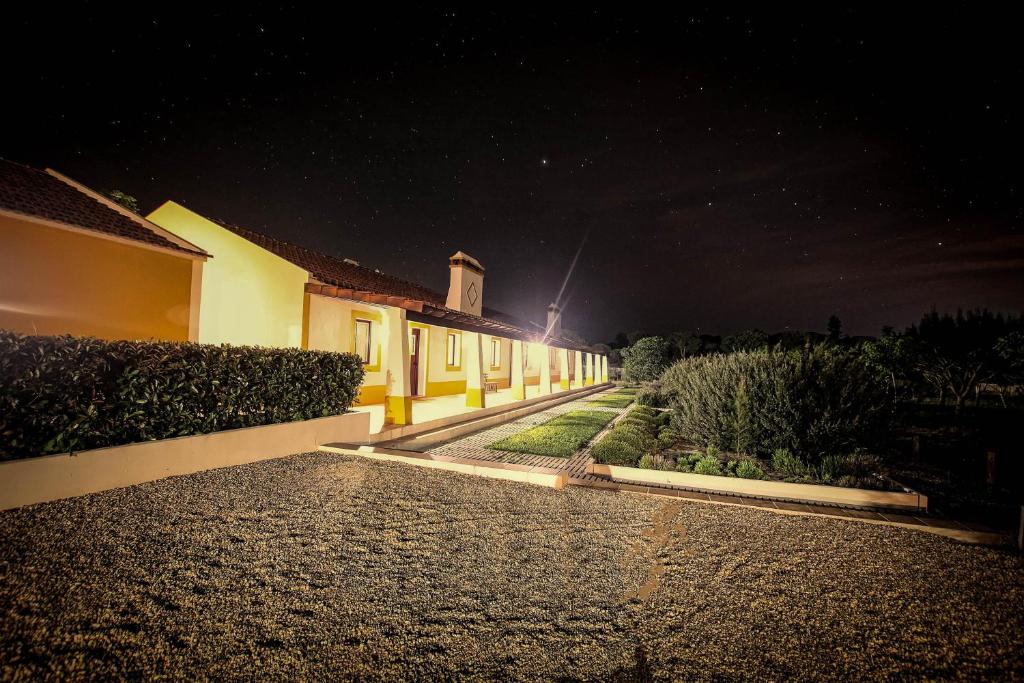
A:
338	260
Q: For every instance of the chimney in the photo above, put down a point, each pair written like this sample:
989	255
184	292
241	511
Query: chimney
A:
554	328
466	289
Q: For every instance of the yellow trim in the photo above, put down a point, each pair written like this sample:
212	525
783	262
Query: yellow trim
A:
398	410
305	322
370	395
458	333
370	317
475	398
563	383
518	392
455	386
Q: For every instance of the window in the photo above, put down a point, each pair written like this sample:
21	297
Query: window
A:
454	349
495	353
363	333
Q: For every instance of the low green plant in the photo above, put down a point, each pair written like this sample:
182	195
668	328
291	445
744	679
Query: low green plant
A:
610	451
831	468
654	462
784	462
651	396
711	451
708	465
560	436
748	469
668	437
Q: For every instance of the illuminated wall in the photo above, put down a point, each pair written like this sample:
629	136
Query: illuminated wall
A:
55	281
249	296
330	326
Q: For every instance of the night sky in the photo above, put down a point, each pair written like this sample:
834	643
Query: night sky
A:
721	171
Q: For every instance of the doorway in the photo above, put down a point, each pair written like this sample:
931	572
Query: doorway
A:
414	362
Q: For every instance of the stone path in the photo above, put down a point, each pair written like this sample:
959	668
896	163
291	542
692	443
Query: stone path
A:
475	446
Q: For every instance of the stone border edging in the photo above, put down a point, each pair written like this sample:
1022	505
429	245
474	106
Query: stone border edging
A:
51	477
541	476
963	535
806	493
446	429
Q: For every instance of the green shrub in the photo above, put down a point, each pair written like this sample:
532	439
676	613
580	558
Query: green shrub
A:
708	465
61	394
654	462
784	462
645	360
651	396
748	469
635	440
682	465
831	468
821	400
668	437
610	451
730	468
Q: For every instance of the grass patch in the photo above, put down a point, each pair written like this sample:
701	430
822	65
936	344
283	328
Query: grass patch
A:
616	400
561	436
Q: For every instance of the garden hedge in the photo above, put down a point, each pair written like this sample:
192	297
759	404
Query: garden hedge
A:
60	394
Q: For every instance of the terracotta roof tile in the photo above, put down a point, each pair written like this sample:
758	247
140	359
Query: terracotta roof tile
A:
33	192
338	272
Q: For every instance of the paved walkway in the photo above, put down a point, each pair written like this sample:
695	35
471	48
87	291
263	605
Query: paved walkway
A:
475	446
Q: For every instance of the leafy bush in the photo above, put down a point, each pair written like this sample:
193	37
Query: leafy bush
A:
611	451
818	401
831	468
60	394
708	465
668	437
645	360
651	396
654	462
784	462
748	469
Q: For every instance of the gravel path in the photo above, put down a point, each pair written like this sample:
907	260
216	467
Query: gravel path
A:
324	566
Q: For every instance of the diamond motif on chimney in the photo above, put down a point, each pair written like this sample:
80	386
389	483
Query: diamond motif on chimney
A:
471	293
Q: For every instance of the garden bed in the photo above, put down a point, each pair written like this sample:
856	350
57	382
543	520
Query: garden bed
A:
560	437
618	399
643	447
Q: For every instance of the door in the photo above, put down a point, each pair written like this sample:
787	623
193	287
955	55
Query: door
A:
414	362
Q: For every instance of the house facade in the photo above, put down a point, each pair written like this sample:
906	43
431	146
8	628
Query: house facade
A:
415	343
75	262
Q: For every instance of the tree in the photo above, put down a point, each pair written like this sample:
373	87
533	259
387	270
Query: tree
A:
126	200
748	340
646	359
892	355
835	328
635	336
955	354
685	344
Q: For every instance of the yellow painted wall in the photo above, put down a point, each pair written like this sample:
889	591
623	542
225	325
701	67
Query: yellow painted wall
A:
55	281
331	327
440	380
249	296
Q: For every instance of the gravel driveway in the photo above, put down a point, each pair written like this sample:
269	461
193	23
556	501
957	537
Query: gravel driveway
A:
325	566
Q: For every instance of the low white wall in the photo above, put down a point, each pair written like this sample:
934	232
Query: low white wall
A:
766	489
52	477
